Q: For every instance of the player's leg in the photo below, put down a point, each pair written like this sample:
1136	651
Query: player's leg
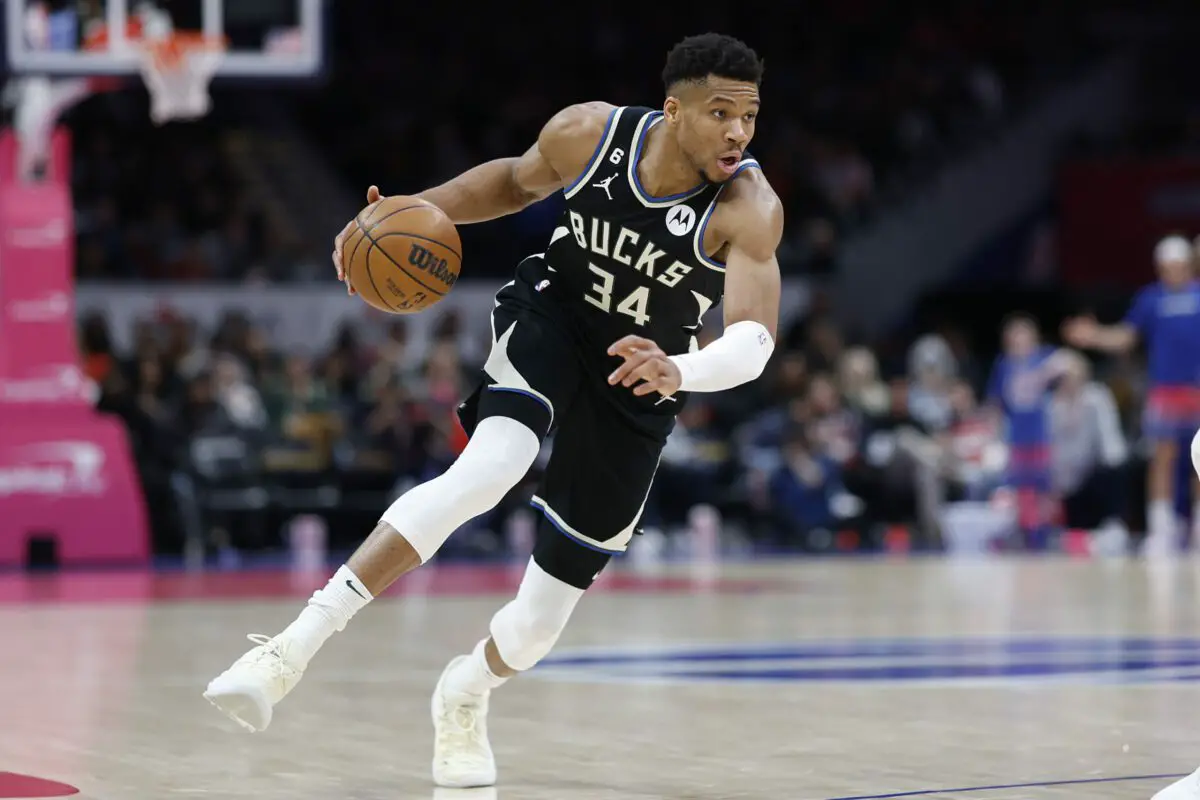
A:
1187	788
1029	476
592	497
507	419
1187	432
1161	429
519	636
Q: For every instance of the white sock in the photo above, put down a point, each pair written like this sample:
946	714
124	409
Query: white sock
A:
472	675
328	611
1160	520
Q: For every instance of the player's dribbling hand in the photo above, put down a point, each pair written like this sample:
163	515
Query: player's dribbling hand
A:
644	361
373	196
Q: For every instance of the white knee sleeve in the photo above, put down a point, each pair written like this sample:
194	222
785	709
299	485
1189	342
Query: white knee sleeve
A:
1196	453
526	629
500	453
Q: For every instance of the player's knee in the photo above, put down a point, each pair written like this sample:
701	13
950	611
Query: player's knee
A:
527	628
523	639
494	461
498	456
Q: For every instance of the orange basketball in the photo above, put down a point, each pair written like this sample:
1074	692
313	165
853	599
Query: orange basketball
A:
403	256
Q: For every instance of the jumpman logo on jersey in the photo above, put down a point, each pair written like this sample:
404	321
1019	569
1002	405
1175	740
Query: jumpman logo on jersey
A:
604	184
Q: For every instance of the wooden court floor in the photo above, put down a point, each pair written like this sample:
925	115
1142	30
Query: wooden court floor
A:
808	680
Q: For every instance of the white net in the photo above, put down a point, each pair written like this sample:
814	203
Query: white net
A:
178	70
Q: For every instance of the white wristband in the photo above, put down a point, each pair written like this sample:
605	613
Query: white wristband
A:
738	356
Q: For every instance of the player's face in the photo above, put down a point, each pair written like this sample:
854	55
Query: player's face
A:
1020	338
1175	271
714	122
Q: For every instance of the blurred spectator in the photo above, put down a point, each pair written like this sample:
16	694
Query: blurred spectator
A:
696	464
1019	391
1089	450
858	376
974	452
931	369
896	475
806	492
834	428
236	396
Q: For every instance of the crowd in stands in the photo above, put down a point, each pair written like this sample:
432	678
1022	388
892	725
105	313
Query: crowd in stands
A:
838	446
196	223
234	438
863	97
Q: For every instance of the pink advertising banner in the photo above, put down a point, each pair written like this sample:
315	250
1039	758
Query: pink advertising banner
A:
39	358
66	472
71	479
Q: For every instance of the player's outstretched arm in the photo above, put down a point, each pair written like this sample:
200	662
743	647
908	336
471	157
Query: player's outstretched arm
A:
752	290
1085	332
1119	338
506	185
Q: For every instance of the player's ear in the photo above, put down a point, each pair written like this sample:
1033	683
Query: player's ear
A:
671	109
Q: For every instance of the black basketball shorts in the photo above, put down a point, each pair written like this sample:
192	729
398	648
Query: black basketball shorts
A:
603	462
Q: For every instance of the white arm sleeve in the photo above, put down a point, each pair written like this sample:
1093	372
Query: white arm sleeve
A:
739	356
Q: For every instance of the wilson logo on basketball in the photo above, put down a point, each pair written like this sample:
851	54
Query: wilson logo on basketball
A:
424	260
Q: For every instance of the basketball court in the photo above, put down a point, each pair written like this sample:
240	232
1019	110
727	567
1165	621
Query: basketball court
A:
807	680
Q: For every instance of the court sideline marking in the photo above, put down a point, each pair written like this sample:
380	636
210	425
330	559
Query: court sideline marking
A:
1038	785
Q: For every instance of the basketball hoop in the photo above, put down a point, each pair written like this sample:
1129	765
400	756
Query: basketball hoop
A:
178	69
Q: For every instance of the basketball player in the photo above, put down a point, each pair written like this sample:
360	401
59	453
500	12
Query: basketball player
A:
1019	389
1166	316
666	215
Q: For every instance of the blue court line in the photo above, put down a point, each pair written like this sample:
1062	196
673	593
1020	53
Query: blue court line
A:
1038	785
1113	648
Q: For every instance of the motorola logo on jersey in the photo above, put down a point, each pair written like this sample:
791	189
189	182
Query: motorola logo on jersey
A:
681	219
938	662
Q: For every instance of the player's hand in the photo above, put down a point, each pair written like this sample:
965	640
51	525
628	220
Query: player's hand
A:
373	197
1081	331
644	361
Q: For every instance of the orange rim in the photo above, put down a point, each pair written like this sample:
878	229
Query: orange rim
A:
170	52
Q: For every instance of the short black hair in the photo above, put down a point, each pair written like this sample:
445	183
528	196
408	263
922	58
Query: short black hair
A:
697	57
1022	318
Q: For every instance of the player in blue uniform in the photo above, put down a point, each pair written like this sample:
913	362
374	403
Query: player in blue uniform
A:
1019	388
1166	317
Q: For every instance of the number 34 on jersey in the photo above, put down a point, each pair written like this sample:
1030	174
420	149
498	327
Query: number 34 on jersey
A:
625	248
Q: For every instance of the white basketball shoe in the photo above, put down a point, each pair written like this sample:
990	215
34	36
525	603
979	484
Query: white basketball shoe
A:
482	793
1183	789
462	756
249	690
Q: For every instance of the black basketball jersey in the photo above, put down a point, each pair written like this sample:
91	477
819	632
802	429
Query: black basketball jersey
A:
625	262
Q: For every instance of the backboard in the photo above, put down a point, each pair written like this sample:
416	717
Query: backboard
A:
282	39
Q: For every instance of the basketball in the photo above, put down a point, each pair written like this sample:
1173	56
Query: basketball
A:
403	256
